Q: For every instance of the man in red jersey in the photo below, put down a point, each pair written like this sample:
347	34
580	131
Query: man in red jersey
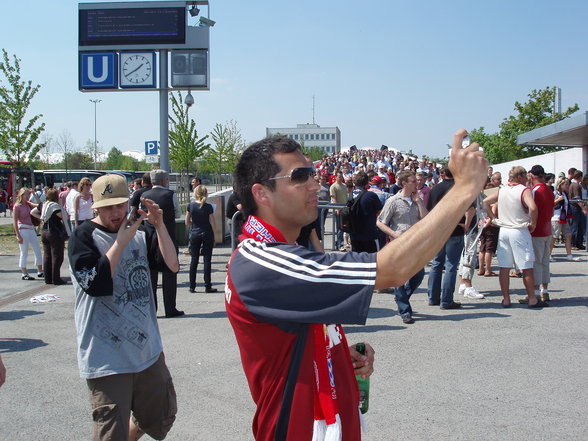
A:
541	235
286	303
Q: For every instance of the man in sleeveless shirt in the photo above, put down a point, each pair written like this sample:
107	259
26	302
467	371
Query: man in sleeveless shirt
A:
517	218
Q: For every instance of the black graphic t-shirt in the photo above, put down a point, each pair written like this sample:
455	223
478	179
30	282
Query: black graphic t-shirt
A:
114	313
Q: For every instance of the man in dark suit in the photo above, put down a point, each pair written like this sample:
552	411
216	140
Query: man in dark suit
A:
167	201
145	186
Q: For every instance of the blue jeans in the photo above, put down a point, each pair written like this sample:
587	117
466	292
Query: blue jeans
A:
448	258
339	233
577	225
404	292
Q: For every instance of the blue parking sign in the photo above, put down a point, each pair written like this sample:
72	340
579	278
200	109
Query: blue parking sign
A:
98	70
151	147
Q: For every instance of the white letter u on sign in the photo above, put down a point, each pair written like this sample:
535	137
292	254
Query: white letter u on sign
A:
104	73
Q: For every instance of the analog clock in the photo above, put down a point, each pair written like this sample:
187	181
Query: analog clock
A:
137	69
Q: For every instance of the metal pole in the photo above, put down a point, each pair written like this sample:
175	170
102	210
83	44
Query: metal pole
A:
95	134
163	112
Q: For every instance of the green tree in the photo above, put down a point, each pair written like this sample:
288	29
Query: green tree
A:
537	112
184	144
224	153
315	153
18	136
114	159
79	160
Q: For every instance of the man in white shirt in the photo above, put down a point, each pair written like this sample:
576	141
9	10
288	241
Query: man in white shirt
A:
70	207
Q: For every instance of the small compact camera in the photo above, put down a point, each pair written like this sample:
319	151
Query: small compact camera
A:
467	140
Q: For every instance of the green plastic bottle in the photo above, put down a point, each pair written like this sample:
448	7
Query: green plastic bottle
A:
363	383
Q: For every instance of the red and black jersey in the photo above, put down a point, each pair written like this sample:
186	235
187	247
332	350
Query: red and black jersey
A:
274	291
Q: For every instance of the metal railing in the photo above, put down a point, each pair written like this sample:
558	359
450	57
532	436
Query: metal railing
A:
324	213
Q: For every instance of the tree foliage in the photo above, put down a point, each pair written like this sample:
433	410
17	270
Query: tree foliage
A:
224	153
537	112
115	160
18	136
184	144
315	153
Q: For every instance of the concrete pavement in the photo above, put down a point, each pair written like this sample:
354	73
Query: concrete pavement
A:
479	373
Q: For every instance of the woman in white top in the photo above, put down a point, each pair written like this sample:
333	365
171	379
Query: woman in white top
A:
83	202
25	233
560	220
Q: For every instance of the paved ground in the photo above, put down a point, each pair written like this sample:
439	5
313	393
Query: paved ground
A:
480	373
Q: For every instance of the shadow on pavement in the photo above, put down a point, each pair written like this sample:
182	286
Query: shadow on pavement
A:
381	312
17	315
350	329
215	314
20	344
460	317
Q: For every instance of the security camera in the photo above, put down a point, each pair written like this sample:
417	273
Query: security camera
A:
189	100
194	11
207	22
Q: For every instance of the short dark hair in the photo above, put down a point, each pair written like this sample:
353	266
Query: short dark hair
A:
52	195
257	165
361	179
445	170
146	180
403	176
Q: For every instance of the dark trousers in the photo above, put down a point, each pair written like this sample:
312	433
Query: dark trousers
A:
404	292
368	246
169	284
201	243
53	246
577	225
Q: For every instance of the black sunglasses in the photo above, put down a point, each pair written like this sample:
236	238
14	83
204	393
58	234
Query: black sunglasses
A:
298	175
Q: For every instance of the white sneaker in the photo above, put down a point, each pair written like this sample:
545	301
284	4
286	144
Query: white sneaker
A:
571	258
461	289
472	293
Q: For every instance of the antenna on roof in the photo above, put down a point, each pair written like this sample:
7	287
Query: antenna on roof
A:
313	109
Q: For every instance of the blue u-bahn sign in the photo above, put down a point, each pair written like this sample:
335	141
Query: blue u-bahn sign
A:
98	70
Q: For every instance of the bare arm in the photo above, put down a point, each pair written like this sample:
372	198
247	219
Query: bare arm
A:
422	209
188	220
530	203
411	252
315	241
469	216
386	229
77	209
489	202
15	225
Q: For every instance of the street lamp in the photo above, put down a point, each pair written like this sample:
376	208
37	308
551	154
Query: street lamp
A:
95	138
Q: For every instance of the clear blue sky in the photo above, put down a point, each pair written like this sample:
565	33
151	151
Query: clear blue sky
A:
404	74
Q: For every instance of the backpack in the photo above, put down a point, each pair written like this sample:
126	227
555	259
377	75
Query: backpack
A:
349	215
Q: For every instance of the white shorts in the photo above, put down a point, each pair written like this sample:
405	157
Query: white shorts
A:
515	247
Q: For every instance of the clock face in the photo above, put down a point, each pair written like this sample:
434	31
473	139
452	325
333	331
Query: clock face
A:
137	70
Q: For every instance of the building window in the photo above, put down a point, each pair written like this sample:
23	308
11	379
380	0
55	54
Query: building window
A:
306	136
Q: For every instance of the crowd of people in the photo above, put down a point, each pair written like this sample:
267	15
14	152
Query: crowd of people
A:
57	213
287	303
394	192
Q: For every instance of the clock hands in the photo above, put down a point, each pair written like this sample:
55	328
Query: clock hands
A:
133	71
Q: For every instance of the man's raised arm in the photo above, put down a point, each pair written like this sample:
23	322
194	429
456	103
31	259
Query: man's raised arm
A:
401	259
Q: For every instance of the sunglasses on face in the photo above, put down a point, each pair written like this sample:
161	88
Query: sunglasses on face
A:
298	175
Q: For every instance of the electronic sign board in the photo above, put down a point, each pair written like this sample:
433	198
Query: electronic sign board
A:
132	26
